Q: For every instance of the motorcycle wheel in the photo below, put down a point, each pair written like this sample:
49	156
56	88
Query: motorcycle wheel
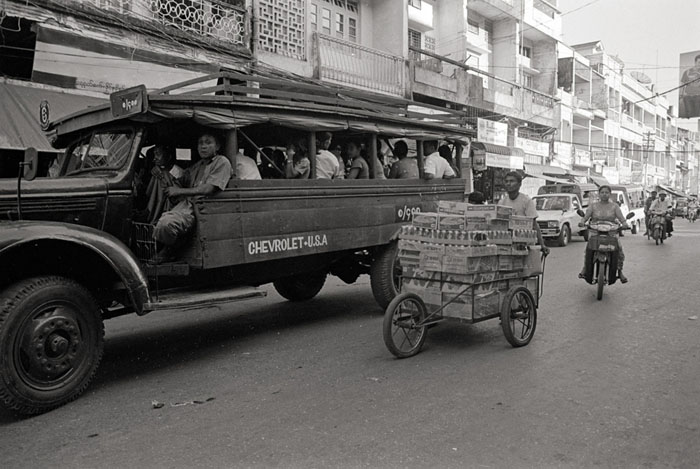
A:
601	280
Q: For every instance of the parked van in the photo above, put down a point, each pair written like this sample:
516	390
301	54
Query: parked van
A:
630	198
587	193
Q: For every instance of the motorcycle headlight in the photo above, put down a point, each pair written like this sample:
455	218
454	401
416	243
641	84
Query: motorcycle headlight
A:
552	224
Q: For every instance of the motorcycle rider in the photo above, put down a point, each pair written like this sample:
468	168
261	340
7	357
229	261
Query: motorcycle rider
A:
605	210
660	207
647	206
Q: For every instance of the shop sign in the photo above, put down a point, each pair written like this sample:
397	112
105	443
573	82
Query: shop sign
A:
504	161
492	132
582	157
611	174
532	147
562	152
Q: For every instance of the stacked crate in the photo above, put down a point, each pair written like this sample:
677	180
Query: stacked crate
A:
443	253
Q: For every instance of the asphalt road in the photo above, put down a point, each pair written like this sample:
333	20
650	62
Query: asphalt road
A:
267	383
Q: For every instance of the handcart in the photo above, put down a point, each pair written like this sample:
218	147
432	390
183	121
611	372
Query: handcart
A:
408	317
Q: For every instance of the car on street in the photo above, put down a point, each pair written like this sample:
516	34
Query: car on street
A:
557	217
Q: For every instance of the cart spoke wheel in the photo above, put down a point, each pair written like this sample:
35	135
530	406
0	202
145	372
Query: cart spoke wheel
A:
403	329
518	316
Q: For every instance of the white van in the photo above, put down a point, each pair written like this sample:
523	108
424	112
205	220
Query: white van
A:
630	198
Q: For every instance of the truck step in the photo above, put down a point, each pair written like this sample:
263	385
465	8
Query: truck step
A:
189	299
169	269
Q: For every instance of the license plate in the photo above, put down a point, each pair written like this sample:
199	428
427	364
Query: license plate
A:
606	247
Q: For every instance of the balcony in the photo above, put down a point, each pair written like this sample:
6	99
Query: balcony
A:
214	19
351	64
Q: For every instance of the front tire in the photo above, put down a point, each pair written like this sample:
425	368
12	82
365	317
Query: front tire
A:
601	280
300	287
51	343
385	274
564	236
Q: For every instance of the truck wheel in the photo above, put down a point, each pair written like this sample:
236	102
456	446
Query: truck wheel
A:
384	275
300	287
564	236
51	343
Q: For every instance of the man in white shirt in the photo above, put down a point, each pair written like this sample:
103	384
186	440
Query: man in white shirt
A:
327	166
246	168
521	204
435	166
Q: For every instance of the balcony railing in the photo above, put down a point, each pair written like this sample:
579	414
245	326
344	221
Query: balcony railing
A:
216	19
346	62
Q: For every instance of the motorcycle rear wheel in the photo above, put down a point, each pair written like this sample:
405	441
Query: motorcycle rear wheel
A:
601	280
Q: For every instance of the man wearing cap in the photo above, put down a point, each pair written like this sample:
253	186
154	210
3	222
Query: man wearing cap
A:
659	207
521	204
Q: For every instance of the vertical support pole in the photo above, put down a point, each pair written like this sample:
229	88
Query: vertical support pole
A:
372	159
312	153
232	150
419	157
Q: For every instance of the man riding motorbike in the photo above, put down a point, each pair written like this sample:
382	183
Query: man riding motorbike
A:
605	210
660	207
647	214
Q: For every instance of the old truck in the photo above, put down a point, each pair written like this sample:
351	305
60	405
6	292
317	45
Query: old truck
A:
557	218
75	249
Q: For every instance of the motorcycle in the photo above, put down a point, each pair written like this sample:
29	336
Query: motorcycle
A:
658	227
692	215
602	254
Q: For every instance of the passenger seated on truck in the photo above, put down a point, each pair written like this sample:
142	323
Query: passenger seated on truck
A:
298	165
435	166
327	166
206	177
404	168
272	165
164	173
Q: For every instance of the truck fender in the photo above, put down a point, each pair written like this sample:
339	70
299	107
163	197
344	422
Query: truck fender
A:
24	238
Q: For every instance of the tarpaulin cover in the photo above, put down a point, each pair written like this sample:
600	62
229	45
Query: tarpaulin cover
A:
19	114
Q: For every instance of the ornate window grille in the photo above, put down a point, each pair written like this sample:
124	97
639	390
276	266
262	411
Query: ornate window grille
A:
214	18
282	27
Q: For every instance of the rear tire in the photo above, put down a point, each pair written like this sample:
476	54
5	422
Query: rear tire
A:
601	280
564	236
300	287
51	343
384	275
518	316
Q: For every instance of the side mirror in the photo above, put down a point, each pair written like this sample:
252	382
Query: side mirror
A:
630	216
30	165
581	213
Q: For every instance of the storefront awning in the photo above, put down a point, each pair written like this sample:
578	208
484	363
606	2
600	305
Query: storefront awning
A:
498	156
672	191
19	114
598	180
547	173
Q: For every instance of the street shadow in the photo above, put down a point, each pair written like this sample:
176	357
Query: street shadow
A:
156	349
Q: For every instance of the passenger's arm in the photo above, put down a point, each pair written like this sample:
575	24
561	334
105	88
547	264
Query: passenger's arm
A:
589	214
620	217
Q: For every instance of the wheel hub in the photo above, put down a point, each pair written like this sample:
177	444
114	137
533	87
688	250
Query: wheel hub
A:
51	345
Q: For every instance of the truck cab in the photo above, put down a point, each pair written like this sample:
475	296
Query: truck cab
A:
558	218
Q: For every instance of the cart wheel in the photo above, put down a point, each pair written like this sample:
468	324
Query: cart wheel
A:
402	334
518	316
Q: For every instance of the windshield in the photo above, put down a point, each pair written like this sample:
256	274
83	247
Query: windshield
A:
102	150
552	203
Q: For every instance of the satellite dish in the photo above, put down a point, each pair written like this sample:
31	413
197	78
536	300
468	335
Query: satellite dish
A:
641	78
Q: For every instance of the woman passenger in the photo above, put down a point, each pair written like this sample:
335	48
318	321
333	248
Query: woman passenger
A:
359	169
404	168
298	165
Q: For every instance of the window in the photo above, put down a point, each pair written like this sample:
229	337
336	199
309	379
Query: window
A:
526	51
414	38
339	25
472	60
281	27
429	43
352	30
473	26
104	150
415	3
325	21
527	80
314	16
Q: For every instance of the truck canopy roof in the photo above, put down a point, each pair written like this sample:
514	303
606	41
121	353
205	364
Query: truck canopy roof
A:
230	100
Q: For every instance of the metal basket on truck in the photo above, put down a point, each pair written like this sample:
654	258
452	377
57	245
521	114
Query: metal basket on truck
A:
467	271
